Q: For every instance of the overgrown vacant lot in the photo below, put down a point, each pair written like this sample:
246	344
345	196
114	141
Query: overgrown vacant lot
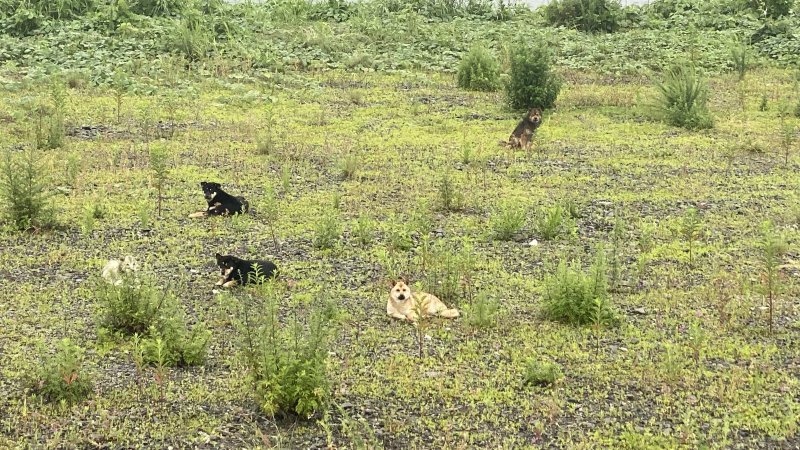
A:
688	363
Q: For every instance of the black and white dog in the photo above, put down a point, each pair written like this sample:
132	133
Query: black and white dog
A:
220	203
241	271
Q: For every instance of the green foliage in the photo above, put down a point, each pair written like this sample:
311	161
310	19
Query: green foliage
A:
684	94
507	220
773	247
532	82
739	58
327	230
159	8
553	222
287	363
190	38
450	195
574	297
24	191
691	229
364	230
135	307
61	377
349	166
585	15
773	8
478	71
446	269
482	313
538	373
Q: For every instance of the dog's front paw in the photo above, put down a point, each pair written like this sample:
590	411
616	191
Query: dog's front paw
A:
231	283
219	283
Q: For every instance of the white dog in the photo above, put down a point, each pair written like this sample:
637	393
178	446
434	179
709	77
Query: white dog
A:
114	269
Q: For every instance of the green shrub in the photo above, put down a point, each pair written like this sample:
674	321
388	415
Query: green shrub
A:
287	363
23	191
554	222
537	373
61	377
585	15
450	195
193	40
136	308
531	83
507	220
349	166
327	230
479	71
684	94
739	57
179	346
483	312
574	297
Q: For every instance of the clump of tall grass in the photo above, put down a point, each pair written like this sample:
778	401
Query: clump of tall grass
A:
683	98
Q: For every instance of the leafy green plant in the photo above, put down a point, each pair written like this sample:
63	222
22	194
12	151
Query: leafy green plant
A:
62	377
585	15
773	247
327	230
191	38
482	313
574	297
507	220
739	57
135	307
450	195
349	166
24	191
532	82
552	222
691	229
684	95
287	363
538	373
479	71
364	230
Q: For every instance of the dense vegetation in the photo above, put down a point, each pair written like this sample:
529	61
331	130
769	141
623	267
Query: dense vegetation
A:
628	281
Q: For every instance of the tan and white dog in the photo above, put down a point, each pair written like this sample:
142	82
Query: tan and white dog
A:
403	304
114	269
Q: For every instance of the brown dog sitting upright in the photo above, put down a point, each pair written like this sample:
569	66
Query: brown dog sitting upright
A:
404	305
523	134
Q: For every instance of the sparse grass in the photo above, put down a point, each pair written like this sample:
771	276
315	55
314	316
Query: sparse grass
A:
537	373
605	156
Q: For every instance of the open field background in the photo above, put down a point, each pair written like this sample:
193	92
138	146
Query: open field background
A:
690	364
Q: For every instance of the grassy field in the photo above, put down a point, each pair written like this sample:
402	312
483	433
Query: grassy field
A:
691	363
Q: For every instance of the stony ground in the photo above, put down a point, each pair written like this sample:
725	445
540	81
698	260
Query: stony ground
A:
691	364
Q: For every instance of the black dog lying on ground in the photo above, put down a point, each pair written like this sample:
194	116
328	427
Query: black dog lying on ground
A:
241	271
220	203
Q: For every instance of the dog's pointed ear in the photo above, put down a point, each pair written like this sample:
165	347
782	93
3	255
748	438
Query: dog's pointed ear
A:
217	256
391	282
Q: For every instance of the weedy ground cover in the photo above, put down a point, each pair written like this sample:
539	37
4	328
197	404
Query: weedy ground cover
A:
613	160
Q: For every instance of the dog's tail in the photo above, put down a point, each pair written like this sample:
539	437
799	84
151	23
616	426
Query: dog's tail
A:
451	313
